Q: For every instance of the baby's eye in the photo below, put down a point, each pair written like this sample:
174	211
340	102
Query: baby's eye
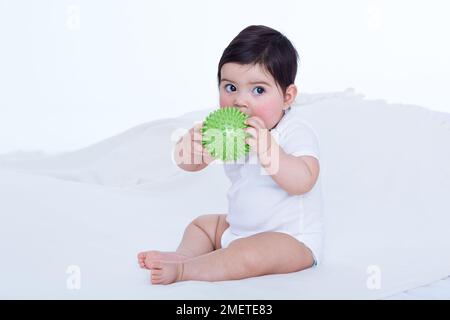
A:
260	91
226	86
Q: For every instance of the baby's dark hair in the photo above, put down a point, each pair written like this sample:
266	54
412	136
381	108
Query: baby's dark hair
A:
262	45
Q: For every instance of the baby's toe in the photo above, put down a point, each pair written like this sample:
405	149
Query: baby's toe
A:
141	259
156	276
152	264
157	280
141	255
156	273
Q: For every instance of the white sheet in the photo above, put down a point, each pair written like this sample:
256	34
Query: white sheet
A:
385	178
438	290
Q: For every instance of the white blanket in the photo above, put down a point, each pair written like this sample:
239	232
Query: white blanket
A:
385	179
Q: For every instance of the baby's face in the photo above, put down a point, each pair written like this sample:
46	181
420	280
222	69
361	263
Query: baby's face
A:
253	91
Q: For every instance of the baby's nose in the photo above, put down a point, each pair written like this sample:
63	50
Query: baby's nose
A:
245	110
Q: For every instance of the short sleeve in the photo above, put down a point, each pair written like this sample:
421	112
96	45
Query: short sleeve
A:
299	139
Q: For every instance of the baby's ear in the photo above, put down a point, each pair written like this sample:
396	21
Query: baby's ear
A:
291	94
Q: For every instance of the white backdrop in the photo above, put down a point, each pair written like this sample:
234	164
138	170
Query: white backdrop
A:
76	72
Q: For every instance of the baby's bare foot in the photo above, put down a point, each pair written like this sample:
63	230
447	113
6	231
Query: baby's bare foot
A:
147	257
164	272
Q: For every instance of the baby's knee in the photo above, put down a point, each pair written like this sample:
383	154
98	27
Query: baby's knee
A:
206	220
200	221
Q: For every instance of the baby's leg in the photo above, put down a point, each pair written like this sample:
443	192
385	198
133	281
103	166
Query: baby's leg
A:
201	236
257	255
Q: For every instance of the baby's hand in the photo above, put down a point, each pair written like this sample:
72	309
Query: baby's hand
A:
257	128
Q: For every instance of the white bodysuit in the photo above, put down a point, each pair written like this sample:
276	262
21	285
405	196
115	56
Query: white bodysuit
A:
256	203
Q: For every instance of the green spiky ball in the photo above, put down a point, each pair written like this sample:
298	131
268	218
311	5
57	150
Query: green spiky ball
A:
223	134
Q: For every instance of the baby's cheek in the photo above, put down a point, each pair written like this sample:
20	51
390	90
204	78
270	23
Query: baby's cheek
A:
267	113
225	102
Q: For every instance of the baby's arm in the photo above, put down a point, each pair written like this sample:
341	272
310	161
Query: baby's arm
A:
189	153
295	174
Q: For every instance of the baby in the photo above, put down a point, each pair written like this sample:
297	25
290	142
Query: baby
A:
274	221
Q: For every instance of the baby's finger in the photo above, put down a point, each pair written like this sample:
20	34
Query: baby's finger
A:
252	131
251	142
197	148
207	157
255	122
197	133
198	126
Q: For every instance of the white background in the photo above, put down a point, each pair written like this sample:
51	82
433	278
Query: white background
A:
76	72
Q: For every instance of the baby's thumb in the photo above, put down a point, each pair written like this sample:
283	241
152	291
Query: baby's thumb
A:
198	126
